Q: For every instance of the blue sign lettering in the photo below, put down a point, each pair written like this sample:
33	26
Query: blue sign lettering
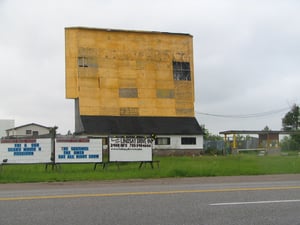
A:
19	149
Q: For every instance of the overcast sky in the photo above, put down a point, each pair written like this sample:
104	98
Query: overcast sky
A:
246	55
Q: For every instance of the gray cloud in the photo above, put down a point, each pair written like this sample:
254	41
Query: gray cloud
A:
246	54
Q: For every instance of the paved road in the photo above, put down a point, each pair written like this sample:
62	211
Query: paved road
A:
220	200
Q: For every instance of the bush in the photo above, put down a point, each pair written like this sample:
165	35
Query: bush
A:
289	144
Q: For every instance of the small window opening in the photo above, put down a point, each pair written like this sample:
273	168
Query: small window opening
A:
188	140
181	71
162	141
82	62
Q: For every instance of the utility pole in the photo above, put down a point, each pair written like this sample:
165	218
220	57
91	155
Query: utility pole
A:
53	137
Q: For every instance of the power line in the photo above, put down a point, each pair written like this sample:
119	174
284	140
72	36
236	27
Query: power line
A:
245	116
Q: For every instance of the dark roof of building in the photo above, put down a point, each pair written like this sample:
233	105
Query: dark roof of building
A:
111	125
27	125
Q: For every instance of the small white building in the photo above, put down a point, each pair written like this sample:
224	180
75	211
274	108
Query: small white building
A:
4	125
179	142
31	129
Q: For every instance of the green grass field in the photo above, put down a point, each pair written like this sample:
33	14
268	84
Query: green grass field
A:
232	165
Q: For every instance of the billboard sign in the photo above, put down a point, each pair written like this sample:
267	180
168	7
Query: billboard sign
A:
18	151
78	150
130	149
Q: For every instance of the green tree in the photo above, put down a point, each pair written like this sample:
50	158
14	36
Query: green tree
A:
212	142
288	144
266	129
209	136
291	119
290	122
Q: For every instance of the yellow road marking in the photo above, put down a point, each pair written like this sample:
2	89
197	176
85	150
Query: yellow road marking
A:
39	197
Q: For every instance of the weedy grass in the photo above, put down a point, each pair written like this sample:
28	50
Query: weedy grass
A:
232	165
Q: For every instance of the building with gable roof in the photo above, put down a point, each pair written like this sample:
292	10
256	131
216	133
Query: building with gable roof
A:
133	83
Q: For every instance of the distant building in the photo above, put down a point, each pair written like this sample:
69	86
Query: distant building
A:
28	130
133	83
267	139
4	125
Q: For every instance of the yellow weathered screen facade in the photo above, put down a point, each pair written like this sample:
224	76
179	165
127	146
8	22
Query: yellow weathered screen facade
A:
130	73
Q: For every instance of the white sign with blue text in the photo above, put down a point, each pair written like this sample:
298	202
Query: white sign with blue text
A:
78	150
22	151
